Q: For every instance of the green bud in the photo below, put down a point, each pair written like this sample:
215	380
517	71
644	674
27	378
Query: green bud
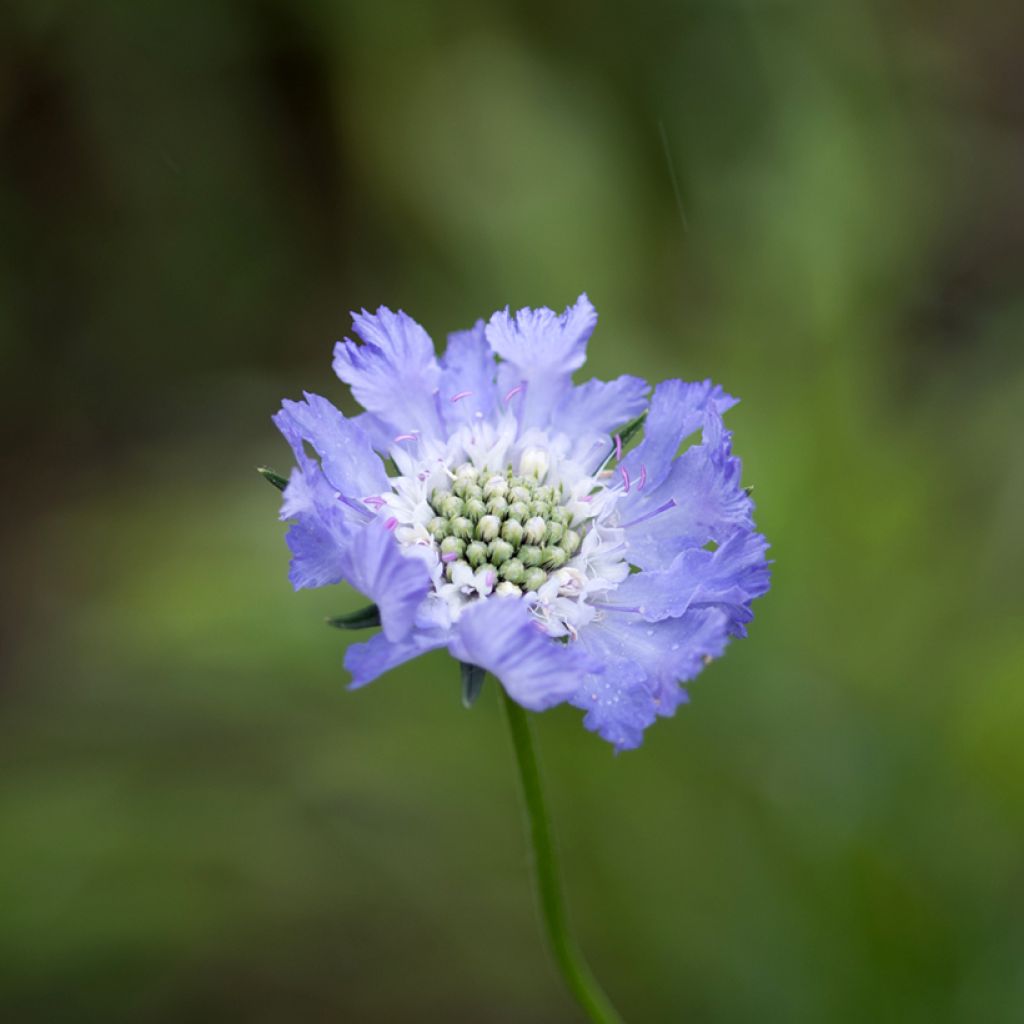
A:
506	589
461	527
497	506
452	506
500	551
438	528
529	554
544	493
554	533
571	542
541	509
553	558
561	515
512	531
488	527
512	571
520	493
534	579
475	508
519	511
496	487
452	545
476	553
533	530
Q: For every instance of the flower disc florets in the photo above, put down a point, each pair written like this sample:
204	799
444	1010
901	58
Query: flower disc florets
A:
516	528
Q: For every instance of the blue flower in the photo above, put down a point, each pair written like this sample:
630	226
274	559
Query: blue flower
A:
515	530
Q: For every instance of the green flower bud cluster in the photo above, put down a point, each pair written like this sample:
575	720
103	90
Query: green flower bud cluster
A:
515	525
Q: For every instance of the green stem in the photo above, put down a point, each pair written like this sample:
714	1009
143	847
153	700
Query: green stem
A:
582	983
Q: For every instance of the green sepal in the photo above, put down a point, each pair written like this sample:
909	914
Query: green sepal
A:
365	618
473	677
271	477
630	430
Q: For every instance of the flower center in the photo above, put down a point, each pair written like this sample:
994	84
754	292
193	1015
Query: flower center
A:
512	524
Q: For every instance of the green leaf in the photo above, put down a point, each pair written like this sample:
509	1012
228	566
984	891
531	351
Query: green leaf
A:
365	618
473	677
273	478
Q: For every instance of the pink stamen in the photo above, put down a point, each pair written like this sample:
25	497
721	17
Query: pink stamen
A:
625	478
391	523
491	579
460	396
515	391
587	498
374	502
406	437
643	478
618	447
671	503
449	556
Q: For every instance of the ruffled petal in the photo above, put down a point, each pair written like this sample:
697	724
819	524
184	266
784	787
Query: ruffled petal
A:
367	661
618	705
728	578
699	500
468	391
501	636
677	409
346	454
394	373
375	566
321	529
542	350
601	406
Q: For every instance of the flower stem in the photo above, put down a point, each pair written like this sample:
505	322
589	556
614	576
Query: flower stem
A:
577	975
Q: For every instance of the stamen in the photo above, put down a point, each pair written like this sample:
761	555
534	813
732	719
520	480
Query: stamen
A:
618	447
374	502
671	503
406	437
643	477
460	396
625	478
391	524
515	391
449	556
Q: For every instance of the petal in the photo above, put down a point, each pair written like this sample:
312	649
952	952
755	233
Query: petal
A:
601	406
468	391
394	374
346	454
543	350
699	500
320	531
375	565
728	578
501	636
618	706
367	661
677	410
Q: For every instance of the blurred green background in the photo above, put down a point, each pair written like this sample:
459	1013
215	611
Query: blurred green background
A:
817	205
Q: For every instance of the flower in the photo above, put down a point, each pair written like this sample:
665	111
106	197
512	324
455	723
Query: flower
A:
516	530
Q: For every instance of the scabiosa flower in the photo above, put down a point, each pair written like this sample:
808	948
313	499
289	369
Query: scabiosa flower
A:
514	528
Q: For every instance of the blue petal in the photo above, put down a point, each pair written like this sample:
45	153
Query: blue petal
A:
700	499
320	531
728	578
543	351
618	705
468	391
394	374
601	406
367	661
346	453
677	409
375	566
501	636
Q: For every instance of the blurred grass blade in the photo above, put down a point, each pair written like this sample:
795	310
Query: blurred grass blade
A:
271	477
365	618
472	683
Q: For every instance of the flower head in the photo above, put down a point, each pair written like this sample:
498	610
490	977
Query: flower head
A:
517	531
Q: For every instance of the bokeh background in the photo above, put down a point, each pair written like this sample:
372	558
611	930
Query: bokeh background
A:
818	205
